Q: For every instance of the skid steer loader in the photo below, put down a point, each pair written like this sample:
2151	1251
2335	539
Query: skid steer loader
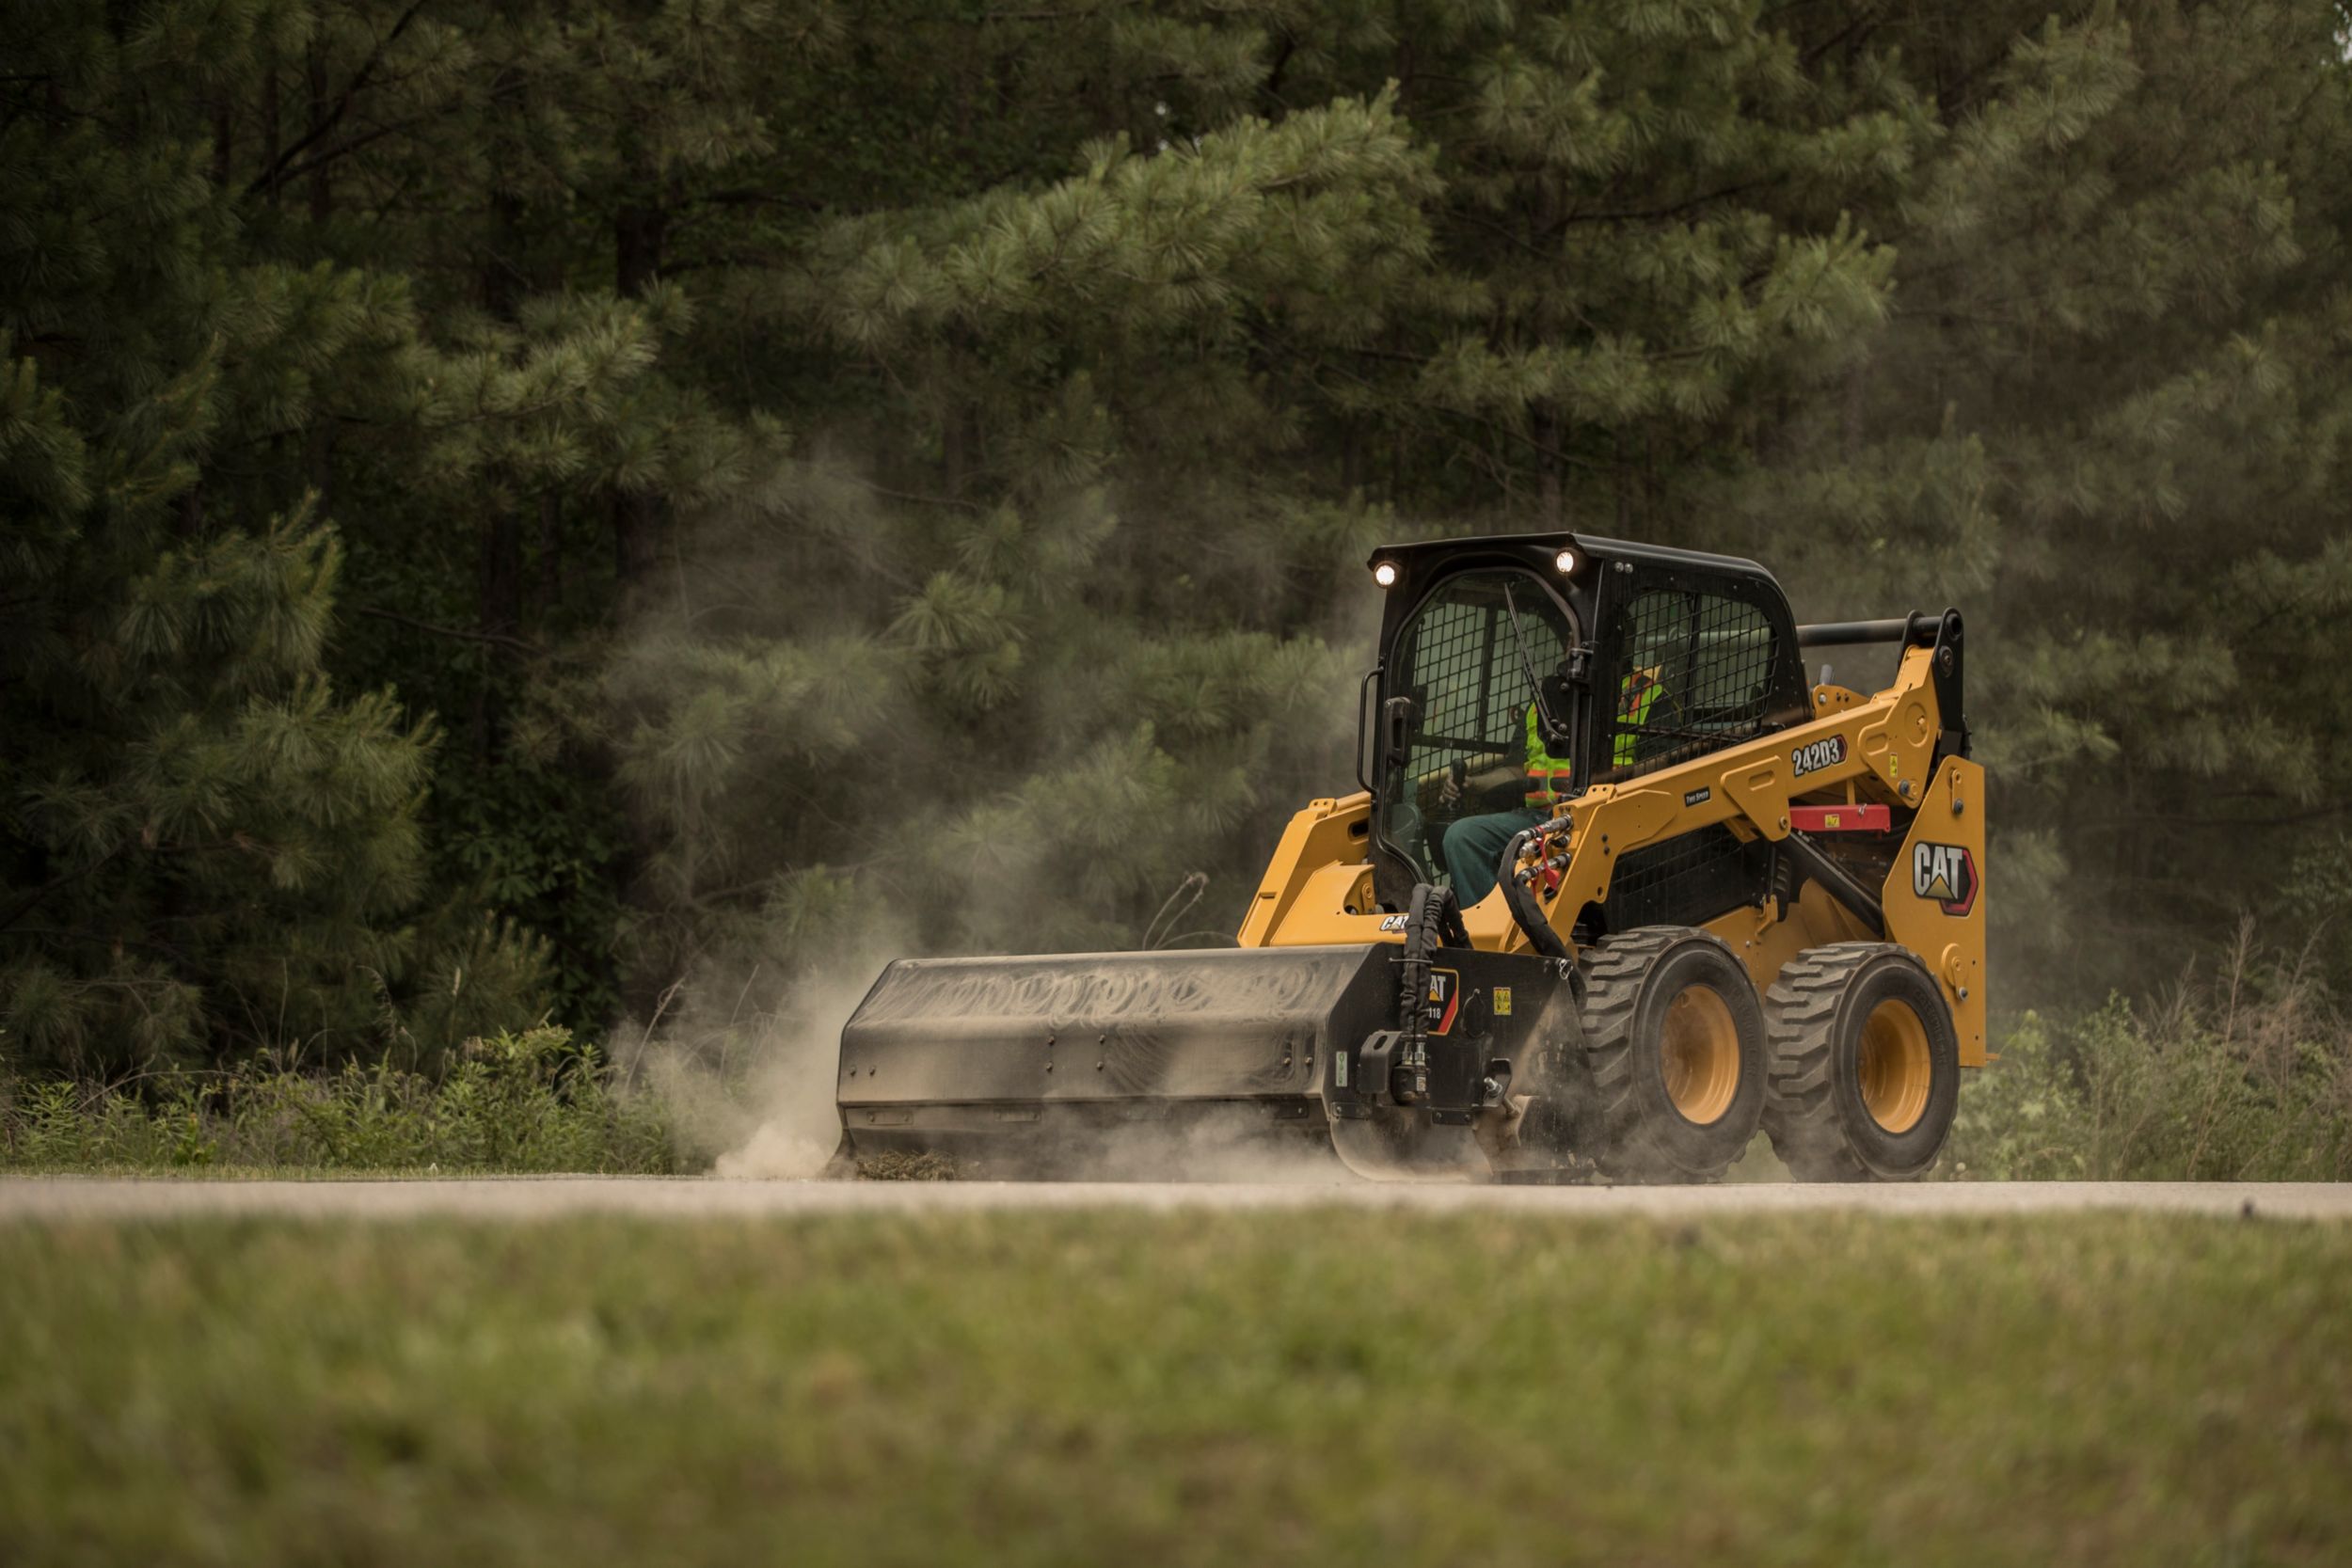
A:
1704	895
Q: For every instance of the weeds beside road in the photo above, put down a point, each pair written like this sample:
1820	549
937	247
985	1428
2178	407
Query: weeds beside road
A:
2247	1078
527	1103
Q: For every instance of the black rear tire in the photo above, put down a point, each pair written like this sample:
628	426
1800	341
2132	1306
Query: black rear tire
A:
1865	1075
1675	1050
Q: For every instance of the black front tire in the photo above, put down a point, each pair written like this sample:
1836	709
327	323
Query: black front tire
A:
1675	1050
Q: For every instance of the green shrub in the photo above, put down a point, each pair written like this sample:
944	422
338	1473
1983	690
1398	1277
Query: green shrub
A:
533	1101
2247	1078
2021	1119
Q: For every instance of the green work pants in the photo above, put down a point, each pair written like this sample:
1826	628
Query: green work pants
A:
1474	845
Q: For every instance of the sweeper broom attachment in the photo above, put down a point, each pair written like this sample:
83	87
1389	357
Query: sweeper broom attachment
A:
1619	888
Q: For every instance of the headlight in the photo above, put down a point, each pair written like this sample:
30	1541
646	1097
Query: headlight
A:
1385	574
1566	561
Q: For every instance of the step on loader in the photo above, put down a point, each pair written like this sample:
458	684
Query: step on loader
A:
1620	884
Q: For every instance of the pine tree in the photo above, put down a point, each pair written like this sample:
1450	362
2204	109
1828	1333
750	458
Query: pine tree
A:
515	506
206	849
2104	417
1103	441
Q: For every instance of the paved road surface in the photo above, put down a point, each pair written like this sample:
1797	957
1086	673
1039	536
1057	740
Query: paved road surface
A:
523	1197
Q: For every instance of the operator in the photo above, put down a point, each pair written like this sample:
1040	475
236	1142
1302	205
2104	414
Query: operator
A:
1474	845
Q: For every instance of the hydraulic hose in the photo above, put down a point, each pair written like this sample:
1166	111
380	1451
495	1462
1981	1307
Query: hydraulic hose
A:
1528	914
1433	919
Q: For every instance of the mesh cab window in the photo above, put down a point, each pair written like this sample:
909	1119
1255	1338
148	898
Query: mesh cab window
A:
1463	662
1693	673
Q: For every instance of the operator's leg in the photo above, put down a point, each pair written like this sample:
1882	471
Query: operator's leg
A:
1473	844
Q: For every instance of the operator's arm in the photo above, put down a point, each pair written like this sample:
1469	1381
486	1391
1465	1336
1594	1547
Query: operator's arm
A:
1500	779
1502	775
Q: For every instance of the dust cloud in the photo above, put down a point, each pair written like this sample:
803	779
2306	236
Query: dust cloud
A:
765	703
752	1092
1225	1145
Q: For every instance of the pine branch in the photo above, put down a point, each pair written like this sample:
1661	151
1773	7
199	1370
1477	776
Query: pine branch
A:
33	899
1674	209
1864	19
495	638
1071	14
1522	437
2166	819
1509	236
110	939
282	168
917	499
350	145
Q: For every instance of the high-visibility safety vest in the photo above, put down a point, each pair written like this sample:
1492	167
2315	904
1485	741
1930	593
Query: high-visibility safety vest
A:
1636	695
1547	776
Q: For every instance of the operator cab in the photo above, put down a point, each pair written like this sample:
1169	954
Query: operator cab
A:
1469	666
1520	671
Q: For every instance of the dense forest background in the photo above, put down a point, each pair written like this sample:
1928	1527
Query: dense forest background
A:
575	509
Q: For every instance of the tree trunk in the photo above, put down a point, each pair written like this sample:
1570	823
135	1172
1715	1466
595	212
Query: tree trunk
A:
1624	483
224	129
637	519
500	599
1548	436
550	554
960	444
318	462
638	515
322	189
637	235
269	123
1852	408
500	575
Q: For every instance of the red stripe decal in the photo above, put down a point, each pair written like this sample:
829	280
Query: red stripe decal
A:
1841	819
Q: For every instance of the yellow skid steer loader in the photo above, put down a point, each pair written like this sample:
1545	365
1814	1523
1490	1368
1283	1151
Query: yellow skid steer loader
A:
1620	885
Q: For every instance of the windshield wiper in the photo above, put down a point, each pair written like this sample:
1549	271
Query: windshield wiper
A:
1527	662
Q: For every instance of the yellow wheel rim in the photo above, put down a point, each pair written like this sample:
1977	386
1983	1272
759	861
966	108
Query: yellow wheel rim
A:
1699	1053
1895	1068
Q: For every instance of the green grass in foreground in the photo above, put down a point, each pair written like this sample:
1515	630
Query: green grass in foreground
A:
1187	1389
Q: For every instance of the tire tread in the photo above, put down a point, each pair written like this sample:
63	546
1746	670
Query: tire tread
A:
1615	968
1801	1011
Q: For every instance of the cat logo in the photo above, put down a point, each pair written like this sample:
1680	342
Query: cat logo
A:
1946	873
1445	999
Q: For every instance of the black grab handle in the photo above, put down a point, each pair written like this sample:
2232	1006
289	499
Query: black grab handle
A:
1916	628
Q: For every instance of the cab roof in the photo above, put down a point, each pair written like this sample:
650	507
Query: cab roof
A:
1538	549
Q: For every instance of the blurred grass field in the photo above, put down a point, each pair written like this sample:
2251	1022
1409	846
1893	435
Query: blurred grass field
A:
1190	1387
